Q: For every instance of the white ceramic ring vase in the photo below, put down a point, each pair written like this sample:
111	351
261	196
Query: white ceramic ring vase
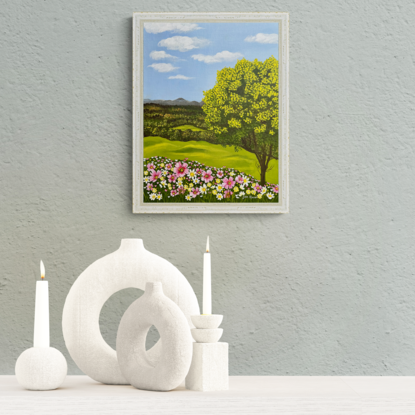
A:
130	266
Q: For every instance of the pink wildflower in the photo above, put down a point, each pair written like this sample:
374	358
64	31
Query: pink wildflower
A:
239	179
219	174
228	194
151	166
155	175
172	178
168	166
181	169
195	192
149	187
207	176
174	192
228	183
276	188
258	188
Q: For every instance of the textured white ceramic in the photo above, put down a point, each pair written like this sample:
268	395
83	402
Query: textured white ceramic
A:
130	266
209	369
211	321
41	368
169	370
207	335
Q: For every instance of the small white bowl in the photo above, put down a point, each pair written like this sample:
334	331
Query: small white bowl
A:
207	321
207	335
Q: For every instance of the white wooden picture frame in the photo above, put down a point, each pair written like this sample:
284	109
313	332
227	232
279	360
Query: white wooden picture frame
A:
185	52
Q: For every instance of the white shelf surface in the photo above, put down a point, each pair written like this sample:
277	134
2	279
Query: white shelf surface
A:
261	395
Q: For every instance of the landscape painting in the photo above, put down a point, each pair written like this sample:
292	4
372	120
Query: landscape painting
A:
210	104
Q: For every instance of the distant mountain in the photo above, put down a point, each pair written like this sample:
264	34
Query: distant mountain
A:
178	101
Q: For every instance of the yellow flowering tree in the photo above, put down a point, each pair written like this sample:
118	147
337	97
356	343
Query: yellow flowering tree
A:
242	109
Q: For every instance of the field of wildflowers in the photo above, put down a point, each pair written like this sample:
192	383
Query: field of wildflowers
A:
186	181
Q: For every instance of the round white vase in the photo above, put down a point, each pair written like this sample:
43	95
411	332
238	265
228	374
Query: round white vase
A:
41	368
131	266
169	370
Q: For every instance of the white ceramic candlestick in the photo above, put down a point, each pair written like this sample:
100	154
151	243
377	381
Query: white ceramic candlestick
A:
41	367
209	369
207	281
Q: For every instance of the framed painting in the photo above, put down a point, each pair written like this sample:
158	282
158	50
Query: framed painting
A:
210	113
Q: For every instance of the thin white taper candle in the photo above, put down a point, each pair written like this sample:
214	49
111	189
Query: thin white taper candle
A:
41	330
207	281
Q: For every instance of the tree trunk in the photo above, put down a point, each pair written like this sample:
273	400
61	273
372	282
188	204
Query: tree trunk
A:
263	171
262	161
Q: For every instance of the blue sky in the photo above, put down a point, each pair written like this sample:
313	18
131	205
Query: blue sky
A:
181	59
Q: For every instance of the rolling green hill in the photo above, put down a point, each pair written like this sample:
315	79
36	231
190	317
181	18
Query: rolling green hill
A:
213	155
188	127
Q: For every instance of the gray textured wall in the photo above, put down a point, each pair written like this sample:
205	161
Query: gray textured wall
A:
326	289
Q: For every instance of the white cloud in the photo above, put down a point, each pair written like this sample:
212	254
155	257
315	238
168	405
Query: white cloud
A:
163	67
224	56
185	78
160	54
263	38
183	43
170	27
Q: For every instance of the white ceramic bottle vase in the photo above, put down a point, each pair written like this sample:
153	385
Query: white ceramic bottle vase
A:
138	367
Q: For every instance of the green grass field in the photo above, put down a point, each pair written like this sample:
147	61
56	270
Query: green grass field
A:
213	155
188	127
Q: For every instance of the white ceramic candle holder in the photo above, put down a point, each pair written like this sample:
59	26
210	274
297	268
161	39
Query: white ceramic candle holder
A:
207	335
209	370
41	368
207	330
207	321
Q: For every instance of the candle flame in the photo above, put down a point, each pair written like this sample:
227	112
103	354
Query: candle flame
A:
207	244
42	270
